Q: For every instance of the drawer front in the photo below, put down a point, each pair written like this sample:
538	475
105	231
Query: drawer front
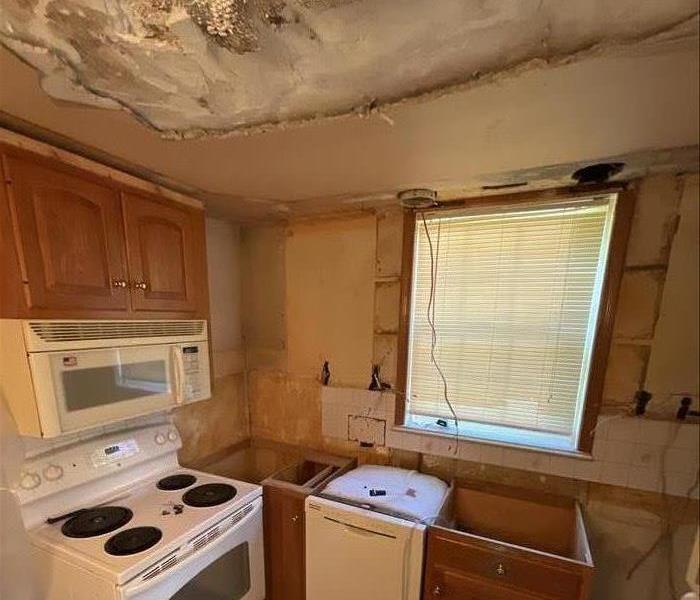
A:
451	585
503	565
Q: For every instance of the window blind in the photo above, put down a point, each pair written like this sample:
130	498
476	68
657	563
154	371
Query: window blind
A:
515	303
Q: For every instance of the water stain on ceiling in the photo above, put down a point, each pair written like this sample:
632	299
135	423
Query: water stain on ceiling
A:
192	67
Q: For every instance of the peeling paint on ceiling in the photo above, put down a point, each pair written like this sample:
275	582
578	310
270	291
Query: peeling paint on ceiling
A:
188	67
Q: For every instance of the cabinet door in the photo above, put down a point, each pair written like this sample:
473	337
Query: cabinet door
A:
71	239
164	249
283	512
452	585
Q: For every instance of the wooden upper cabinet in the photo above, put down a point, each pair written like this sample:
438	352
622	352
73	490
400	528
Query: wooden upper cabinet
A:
70	238
164	247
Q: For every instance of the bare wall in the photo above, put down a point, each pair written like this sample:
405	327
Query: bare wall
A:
214	425
285	402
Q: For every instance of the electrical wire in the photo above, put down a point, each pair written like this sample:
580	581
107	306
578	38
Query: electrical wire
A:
433	330
669	528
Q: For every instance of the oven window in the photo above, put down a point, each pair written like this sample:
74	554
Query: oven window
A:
227	578
98	386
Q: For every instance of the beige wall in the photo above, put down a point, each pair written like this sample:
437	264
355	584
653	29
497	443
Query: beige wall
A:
329	301
340	281
212	426
673	365
320	274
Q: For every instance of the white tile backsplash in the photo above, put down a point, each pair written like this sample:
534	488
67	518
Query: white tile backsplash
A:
614	474
617	452
470	451
645	478
588	470
562	466
624	430
627	451
647	455
341	408
492	454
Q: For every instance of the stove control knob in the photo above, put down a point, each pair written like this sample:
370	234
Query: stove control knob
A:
29	481
172	435
53	472
160	439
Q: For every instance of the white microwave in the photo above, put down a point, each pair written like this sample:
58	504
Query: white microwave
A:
60	376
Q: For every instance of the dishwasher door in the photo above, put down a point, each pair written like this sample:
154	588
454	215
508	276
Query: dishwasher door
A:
353	553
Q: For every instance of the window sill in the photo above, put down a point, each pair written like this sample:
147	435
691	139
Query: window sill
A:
578	454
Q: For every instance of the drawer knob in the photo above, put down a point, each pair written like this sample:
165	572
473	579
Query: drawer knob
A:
118	283
295	518
500	569
141	285
437	591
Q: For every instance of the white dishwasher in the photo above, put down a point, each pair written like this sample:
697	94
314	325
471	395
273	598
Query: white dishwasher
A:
356	552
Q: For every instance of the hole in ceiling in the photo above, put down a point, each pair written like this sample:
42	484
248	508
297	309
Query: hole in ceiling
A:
597	173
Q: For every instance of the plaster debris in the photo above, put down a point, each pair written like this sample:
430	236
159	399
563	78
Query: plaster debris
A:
191	68
228	22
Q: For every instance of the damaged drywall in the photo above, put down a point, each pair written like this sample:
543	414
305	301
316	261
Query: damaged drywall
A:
187	67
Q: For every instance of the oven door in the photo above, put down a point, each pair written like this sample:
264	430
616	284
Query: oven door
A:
229	568
80	389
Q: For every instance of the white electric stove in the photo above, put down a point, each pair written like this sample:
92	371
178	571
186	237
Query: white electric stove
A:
127	522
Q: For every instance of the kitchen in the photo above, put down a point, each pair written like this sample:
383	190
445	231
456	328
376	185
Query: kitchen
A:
242	365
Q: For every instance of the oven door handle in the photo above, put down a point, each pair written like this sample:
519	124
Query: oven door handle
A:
136	591
178	372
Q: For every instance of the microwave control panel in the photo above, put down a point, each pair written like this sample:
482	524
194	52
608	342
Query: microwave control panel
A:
196	368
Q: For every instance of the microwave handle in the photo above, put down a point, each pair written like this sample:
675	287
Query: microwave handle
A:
178	371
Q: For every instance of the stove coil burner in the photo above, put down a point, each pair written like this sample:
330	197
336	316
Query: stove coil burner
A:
132	541
209	494
96	521
176	482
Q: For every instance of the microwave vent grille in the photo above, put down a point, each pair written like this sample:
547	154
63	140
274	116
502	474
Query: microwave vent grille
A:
69	331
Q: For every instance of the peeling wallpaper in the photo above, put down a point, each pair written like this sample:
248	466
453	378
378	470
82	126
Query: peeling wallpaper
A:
185	67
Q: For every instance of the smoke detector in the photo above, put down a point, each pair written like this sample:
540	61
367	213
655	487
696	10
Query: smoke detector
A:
417	198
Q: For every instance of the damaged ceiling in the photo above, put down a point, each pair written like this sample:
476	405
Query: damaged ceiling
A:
190	67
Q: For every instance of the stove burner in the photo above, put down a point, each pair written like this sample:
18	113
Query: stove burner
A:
131	541
176	482
209	494
96	521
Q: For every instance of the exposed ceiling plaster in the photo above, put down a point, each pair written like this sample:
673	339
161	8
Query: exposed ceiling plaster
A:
187	67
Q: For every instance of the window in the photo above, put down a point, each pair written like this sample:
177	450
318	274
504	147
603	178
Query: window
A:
508	318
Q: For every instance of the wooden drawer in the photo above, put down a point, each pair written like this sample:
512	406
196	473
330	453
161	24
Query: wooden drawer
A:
497	542
453	585
502	564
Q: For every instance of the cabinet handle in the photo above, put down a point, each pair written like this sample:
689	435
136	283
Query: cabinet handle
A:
140	285
295	518
437	591
500	569
118	283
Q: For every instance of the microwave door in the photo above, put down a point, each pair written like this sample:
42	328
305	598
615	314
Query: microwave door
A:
94	387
